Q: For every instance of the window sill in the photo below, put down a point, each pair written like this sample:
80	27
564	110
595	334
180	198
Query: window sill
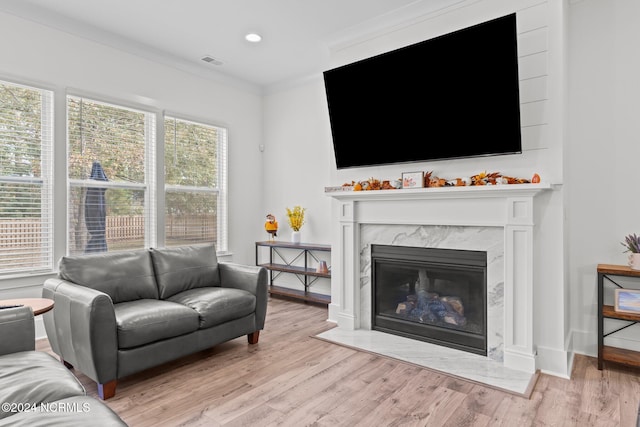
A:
23	280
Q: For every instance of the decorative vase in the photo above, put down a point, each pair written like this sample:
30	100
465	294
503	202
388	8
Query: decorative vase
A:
634	261
295	237
322	268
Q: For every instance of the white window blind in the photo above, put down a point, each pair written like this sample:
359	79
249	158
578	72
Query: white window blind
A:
110	166
26	222
195	183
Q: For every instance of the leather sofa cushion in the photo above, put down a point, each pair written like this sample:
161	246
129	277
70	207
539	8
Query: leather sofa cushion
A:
147	320
124	276
34	377
217	305
79	411
183	268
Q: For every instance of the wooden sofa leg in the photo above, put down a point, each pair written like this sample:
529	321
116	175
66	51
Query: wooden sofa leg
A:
67	364
253	337
107	390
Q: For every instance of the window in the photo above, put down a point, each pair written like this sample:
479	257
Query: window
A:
112	176
26	221
195	183
111	173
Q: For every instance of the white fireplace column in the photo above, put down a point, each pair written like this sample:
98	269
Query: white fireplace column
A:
506	206
519	351
345	269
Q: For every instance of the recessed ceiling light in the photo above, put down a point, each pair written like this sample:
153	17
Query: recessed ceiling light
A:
253	37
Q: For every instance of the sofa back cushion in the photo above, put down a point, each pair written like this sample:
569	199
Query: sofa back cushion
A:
186	267
124	276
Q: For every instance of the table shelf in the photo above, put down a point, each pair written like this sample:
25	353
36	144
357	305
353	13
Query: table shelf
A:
611	353
307	273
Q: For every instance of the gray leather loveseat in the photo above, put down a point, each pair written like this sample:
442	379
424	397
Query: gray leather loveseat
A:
35	388
119	313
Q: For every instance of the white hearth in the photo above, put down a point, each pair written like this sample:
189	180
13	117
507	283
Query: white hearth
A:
496	219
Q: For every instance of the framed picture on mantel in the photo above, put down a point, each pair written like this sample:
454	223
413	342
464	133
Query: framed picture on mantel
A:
412	179
627	301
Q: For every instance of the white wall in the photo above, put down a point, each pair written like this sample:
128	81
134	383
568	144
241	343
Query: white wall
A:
297	142
603	152
297	153
540	40
34	54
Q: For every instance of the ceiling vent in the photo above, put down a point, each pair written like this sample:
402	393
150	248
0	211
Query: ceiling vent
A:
211	60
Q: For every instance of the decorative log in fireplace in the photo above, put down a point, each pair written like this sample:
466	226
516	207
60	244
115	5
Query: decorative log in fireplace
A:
431	294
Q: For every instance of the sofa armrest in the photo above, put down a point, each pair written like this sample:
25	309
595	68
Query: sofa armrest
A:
82	328
250	278
17	330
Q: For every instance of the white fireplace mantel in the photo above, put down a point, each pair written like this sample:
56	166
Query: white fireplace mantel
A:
509	206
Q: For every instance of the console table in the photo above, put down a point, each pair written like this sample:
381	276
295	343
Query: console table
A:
299	253
614	354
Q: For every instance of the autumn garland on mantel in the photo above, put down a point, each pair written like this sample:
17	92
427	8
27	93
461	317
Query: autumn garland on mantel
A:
483	178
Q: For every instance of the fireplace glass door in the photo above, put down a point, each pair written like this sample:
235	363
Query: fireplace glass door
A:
431	294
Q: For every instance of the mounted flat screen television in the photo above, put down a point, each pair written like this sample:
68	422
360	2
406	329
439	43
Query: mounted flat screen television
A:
452	96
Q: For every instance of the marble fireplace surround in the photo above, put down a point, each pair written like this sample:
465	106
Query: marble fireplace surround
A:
496	219
487	239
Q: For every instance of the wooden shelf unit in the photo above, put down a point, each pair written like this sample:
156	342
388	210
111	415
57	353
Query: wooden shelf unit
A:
610	353
306	273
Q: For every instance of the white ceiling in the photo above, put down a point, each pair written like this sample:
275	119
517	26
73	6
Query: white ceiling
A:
297	34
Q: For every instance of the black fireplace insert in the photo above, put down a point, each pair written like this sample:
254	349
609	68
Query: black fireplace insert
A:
431	294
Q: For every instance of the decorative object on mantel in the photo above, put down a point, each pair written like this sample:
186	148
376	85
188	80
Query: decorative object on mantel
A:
483	178
271	226
412	179
632	245
344	187
370	184
296	221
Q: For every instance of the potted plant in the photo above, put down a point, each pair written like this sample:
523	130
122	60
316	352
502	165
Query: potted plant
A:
632	245
295	217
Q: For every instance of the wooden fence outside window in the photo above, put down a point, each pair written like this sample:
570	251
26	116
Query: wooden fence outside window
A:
20	239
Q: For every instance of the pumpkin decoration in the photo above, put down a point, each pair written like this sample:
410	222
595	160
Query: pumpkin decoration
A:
374	184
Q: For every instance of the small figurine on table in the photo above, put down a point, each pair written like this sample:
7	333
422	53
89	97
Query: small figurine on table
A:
271	226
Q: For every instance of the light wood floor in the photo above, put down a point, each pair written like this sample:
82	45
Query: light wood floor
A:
293	379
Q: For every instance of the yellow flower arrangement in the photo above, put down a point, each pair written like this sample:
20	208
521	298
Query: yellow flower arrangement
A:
296	217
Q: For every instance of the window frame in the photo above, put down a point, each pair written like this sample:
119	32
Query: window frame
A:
45	181
149	186
222	243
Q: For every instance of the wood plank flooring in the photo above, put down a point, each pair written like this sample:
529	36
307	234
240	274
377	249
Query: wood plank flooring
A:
292	379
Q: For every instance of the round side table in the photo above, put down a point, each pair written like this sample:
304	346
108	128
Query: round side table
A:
38	305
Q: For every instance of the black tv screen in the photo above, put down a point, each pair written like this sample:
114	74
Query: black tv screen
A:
452	96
